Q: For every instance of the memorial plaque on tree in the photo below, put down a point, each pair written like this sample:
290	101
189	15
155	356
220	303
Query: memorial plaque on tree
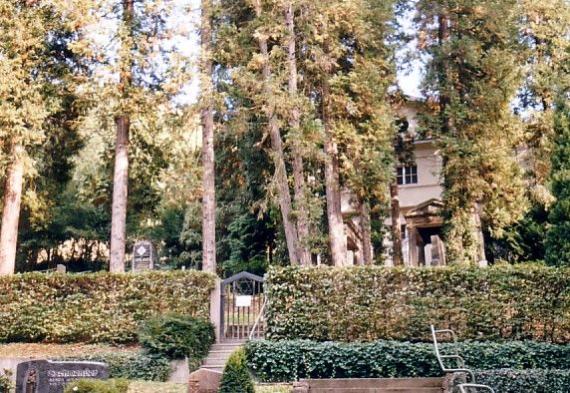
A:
43	376
144	256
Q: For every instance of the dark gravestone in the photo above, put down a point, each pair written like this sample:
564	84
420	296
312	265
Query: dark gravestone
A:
43	376
144	256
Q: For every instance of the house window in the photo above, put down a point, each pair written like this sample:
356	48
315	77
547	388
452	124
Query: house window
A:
407	174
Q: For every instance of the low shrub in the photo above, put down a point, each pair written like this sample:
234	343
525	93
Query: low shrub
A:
521	302
137	365
519	381
97	386
177	337
99	307
6	381
236	377
286	361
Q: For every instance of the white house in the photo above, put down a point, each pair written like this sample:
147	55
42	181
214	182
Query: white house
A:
420	195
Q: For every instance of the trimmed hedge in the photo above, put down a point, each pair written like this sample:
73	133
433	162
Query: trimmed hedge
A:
137	365
99	307
518	381
178	337
286	361
521	302
526	381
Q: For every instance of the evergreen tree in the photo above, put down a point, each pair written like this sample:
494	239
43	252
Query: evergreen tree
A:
141	59
557	244
472	78
28	30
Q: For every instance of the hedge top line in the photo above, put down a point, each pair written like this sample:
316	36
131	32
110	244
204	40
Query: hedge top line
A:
41	276
500	267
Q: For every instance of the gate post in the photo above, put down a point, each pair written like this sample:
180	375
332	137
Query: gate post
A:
215	308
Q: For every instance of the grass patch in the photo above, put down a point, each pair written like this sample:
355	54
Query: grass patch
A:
25	350
158	387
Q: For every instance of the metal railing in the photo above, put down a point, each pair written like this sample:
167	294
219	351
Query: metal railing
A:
460	366
255	330
468	388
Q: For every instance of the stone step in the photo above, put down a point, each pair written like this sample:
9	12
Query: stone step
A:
225	347
219	355
373	383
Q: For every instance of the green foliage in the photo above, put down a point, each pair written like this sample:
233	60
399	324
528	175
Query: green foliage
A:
98	307
140	365
97	386
236	377
523	241
178	336
6	384
526	381
472	76
285	361
525	301
558	234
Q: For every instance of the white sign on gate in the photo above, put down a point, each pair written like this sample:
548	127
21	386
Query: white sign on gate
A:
243	300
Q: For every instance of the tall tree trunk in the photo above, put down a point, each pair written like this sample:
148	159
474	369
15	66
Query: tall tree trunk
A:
366	233
120	196
121	170
337	236
294	124
283	192
11	210
396	227
208	162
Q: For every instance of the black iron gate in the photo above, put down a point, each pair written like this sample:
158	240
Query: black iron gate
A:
242	307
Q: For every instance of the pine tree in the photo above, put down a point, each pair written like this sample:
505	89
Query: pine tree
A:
26	28
149	76
123	123
472	77
558	233
544	27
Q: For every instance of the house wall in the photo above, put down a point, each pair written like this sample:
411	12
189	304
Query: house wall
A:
429	182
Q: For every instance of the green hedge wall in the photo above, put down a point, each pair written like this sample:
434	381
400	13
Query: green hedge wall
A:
98	307
286	361
518	302
526	381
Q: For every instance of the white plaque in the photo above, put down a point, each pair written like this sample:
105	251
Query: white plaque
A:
243	301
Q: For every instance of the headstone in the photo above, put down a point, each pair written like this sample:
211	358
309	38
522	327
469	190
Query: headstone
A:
144	256
61	268
44	376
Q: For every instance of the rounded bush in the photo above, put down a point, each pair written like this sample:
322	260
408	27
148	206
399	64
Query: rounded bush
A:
177	336
236	377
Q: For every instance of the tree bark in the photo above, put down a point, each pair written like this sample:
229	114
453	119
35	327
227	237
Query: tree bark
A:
396	227
11	210
120	196
283	192
366	233
121	170
294	124
208	158
337	236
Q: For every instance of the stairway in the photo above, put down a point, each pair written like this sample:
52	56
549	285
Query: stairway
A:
373	385
219	354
